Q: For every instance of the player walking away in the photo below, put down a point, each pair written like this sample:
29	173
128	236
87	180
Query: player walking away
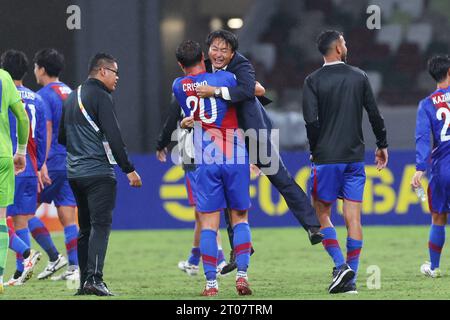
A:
433	118
48	64
217	179
26	183
333	101
10	99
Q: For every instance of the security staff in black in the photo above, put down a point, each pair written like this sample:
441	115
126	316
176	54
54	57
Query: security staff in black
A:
334	98
91	134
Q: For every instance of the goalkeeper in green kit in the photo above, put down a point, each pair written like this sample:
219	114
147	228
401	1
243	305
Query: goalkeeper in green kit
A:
9	166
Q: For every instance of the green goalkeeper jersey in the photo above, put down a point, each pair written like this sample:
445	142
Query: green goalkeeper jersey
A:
10	99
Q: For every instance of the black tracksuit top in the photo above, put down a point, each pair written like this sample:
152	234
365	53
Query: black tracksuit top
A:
333	100
85	152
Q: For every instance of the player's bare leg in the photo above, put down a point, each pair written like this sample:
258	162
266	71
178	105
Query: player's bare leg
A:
242	246
323	211
352	217
66	215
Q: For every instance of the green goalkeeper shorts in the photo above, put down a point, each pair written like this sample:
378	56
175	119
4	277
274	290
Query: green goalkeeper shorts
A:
6	182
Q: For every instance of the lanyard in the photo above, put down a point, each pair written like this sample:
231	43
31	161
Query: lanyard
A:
84	112
106	146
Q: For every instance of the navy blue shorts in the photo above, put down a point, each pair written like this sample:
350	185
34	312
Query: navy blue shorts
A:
439	192
25	197
59	191
338	180
223	185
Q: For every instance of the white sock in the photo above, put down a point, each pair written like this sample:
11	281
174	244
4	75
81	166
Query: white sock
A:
212	284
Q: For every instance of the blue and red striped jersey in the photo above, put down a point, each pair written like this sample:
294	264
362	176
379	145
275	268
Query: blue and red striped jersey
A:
54	94
433	119
217	117
37	139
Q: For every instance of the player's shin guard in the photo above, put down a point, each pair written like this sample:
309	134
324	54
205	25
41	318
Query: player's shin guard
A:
71	240
17	245
331	244
208	248
242	241
435	244
353	252
4	241
42	237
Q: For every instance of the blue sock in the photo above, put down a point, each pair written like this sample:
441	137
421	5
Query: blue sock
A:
19	247
24	235
220	257
435	244
194	258
208	248
42	237
331	244
71	240
353	252
242	241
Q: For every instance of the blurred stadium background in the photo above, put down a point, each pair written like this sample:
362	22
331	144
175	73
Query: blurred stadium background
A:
279	38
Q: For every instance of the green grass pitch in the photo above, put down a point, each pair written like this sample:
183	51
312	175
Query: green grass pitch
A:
143	265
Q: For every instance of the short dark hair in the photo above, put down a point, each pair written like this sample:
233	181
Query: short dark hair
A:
51	60
438	67
189	53
326	38
99	60
15	62
227	36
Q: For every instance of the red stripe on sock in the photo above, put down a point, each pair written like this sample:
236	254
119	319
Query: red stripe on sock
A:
353	254
39	232
209	259
434	247
72	244
244	246
330	243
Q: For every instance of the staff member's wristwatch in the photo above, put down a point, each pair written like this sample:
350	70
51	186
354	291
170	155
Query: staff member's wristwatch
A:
218	92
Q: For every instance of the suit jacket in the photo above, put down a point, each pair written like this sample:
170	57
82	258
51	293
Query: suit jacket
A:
250	110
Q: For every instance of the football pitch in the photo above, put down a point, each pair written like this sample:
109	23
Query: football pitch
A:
143	265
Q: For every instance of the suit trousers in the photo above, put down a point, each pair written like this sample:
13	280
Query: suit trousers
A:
96	198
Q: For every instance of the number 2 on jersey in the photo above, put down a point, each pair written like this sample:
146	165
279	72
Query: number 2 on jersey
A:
192	103
444	114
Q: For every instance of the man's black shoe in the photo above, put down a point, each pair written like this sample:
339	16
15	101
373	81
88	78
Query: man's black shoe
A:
97	288
341	278
232	264
314	235
350	288
80	292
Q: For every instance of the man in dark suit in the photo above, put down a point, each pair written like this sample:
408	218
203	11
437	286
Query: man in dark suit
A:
251	115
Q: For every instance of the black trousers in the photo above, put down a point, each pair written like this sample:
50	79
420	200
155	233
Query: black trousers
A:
96	198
